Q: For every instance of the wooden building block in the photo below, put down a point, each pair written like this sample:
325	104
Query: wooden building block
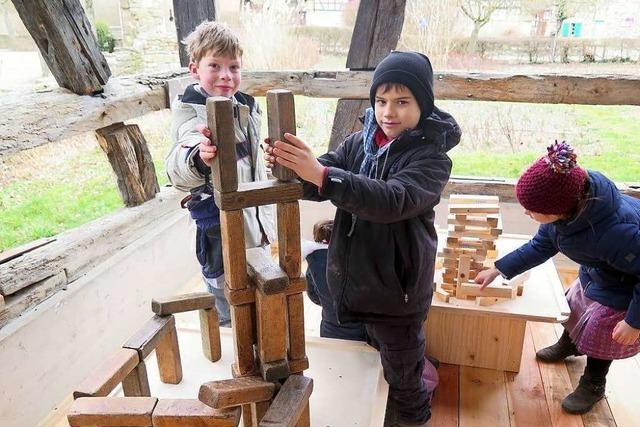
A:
168	355
210	332
488	221
247	416
463	274
486	301
475	209
235	372
305	417
299	365
182	303
258	193
240	296
271	318
276	370
102	381
258	409
243	338
265	273
192	413
497	291
289	238
281	119
233	249
442	295
290	403
224	173
448	287
295	315
112	411
149	336
136	384
473	198
235	392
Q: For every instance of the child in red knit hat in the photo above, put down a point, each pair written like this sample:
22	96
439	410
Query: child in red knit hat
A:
584	216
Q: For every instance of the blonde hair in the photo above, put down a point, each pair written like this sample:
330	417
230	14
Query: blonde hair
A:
212	37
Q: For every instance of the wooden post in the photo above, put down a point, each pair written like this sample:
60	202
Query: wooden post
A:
188	14
295	317
210	331
65	39
272	335
244	335
127	151
168	355
375	34
233	249
136	384
289	238
224	172
281	119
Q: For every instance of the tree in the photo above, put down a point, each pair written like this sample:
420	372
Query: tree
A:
480	11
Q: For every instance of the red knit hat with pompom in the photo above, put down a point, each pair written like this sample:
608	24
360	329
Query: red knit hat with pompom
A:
554	183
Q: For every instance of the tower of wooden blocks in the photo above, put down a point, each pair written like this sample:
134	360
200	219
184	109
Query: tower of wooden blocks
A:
268	388
474	225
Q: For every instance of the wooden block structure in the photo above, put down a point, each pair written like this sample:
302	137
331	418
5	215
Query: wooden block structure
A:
267	315
474	224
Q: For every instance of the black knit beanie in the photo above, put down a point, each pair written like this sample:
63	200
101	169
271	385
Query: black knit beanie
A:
411	69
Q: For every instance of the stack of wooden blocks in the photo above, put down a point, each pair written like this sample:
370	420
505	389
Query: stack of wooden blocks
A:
268	388
474	225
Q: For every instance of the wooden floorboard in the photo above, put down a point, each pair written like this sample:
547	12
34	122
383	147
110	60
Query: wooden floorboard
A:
623	385
445	405
483	398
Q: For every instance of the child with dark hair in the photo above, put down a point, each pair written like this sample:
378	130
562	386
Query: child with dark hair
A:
584	216
317	290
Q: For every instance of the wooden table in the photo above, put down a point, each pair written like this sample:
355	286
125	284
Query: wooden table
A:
463	333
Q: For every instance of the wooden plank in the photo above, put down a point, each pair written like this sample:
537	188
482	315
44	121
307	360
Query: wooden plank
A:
220	122
243	338
17	251
129	156
112	411
181	303
463	274
473	221
555	378
66	42
289	254
281	119
525	391
446	401
235	392
168	356
376	33
210	331
290	402
103	380
475	209
271	326
136	384
473	198
493	290
233	250
622	383
265	273
192	413
483	398
188	14
258	193
149	336
295	325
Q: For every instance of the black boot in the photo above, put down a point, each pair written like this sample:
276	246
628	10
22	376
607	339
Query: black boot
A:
590	388
559	351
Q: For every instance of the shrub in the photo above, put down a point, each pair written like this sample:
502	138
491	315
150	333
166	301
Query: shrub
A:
106	42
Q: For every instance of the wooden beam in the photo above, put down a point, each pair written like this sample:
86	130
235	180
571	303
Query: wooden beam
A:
210	332
103	380
233	250
181	303
243	338
129	156
188	14
376	32
235	392
17	251
281	119
258	193
112	411
271	326
220	121
192	413
290	403
66	41
136	384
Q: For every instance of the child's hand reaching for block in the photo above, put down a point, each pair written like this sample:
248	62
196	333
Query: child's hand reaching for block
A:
485	277
297	156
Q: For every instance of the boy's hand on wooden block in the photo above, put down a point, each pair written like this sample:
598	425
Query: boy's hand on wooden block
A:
485	277
207	150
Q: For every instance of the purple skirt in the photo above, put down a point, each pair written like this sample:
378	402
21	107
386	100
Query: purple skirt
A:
591	324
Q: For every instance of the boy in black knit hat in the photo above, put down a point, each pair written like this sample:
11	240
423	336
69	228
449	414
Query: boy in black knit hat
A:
385	181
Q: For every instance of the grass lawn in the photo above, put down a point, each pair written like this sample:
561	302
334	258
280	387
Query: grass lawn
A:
50	189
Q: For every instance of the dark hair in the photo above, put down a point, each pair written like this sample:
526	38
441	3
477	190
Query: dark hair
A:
322	231
386	87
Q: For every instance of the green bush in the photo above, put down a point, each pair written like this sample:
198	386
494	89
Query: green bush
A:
106	42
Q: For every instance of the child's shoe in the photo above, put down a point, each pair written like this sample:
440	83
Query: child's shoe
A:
559	351
587	394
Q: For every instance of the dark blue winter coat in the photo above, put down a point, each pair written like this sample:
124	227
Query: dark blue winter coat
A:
604	239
